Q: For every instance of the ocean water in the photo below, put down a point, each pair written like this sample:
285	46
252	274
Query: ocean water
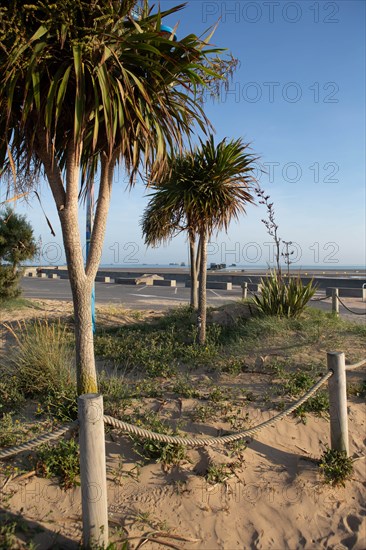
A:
237	267
328	267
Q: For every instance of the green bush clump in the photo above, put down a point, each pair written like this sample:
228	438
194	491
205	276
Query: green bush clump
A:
295	384
116	391
11	432
11	398
8	538
284	298
336	467
358	389
9	283
61	460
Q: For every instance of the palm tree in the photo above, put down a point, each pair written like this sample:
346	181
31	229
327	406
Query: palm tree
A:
202	192
83	87
165	216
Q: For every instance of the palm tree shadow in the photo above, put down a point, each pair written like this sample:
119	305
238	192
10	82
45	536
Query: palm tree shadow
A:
20	532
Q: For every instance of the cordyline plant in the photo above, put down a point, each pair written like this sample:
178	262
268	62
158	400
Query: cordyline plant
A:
85	85
203	191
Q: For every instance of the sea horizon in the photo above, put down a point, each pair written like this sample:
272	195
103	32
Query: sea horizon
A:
238	266
231	267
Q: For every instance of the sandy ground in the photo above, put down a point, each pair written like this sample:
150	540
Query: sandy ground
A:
273	497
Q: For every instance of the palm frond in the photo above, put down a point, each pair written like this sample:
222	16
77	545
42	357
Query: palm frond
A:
205	188
89	72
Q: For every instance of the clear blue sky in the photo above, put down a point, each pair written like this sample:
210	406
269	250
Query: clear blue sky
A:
299	98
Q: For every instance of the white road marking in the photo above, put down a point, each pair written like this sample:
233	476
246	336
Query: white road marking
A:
142	288
159	297
218	295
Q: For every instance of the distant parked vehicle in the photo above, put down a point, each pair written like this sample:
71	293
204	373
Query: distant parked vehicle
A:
217	266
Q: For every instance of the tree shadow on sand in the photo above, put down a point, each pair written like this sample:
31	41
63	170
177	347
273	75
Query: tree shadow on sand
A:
17	532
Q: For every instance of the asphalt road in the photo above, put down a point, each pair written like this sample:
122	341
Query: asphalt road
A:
132	297
160	298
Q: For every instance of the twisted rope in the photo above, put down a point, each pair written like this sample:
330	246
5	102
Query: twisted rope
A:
319	299
356	365
164	438
350	310
199	441
28	445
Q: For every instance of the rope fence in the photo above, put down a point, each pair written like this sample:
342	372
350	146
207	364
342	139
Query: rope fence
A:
33	443
336	300
356	365
165	438
221	440
319	299
91	421
350	310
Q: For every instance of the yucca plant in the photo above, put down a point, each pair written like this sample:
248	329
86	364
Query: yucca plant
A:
284	298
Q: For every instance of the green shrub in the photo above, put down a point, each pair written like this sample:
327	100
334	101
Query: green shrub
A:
295	384
184	388
283	298
9	283
60	403
11	398
11	431
116	393
336	467
8	538
357	389
61	460
217	473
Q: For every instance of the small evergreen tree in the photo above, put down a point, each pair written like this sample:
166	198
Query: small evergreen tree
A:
17	244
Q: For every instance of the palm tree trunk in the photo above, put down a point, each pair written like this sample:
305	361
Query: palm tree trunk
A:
202	307
81	278
84	338
81	288
198	258
194	278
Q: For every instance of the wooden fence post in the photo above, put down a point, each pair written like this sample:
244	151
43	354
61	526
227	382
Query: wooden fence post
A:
337	386
93	470
244	287
335	301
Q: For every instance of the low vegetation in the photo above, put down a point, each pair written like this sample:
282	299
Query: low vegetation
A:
294	383
60	460
336	467
154	373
